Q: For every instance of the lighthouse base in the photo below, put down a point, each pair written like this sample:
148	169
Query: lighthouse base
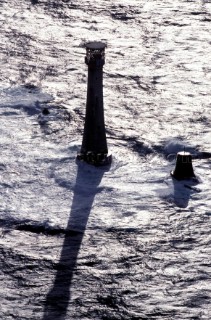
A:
95	159
184	168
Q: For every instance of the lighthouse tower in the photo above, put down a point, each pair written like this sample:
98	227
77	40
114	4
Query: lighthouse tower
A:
94	148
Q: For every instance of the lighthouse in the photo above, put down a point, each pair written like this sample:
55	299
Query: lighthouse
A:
184	168
94	148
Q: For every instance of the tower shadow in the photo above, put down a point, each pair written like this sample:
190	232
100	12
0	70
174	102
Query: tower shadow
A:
183	190
86	187
181	194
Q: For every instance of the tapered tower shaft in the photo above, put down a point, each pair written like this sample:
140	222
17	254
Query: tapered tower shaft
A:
94	145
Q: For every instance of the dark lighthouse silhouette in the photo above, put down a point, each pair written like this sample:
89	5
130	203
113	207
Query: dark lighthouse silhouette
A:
94	148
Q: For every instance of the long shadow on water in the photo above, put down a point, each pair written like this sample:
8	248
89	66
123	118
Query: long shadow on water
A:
183	190
181	194
86	187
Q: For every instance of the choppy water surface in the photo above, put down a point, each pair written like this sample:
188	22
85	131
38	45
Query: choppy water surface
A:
128	242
